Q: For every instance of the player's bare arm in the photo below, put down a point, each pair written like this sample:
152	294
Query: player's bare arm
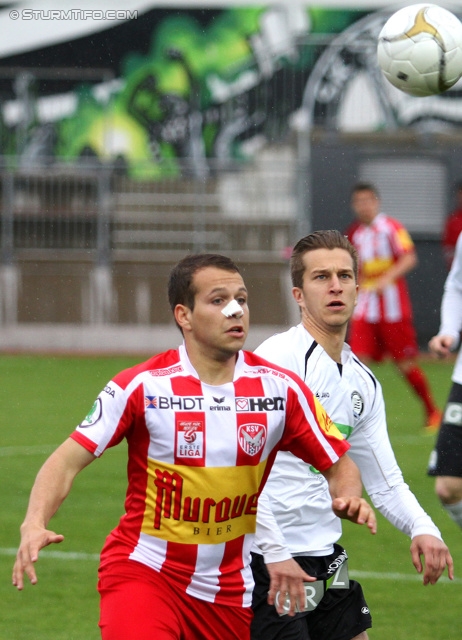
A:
346	489
436	558
51	487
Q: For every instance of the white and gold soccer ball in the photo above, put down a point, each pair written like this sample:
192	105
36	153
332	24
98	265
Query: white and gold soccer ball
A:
420	49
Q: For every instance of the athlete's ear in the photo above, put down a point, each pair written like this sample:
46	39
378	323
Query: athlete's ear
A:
298	295
182	315
356	296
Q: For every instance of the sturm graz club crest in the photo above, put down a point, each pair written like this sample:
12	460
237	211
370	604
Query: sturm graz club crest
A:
357	403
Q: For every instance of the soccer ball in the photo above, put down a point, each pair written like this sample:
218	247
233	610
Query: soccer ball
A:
420	49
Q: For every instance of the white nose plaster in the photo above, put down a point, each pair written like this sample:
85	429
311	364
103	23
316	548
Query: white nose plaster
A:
233	308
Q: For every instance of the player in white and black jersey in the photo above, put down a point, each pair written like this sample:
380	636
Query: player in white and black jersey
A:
296	528
446	459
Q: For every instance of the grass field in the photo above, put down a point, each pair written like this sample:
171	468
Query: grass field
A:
43	398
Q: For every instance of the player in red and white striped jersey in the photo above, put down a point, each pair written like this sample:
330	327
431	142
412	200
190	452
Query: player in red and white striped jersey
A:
382	322
203	425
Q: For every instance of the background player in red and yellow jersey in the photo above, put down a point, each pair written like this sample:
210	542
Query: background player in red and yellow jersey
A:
382	322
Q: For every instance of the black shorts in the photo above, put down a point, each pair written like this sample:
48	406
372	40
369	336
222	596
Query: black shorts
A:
342	614
446	458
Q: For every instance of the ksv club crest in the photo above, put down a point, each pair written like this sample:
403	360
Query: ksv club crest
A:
252	438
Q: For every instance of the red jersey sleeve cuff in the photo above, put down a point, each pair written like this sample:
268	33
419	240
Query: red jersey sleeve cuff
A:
88	444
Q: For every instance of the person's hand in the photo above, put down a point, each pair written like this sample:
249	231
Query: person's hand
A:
436	557
441	346
380	284
287	577
33	538
356	510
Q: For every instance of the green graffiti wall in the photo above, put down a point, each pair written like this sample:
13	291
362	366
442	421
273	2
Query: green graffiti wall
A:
210	85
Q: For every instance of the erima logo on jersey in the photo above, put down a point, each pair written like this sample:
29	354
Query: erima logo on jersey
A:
357	403
322	395
219	406
260	404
